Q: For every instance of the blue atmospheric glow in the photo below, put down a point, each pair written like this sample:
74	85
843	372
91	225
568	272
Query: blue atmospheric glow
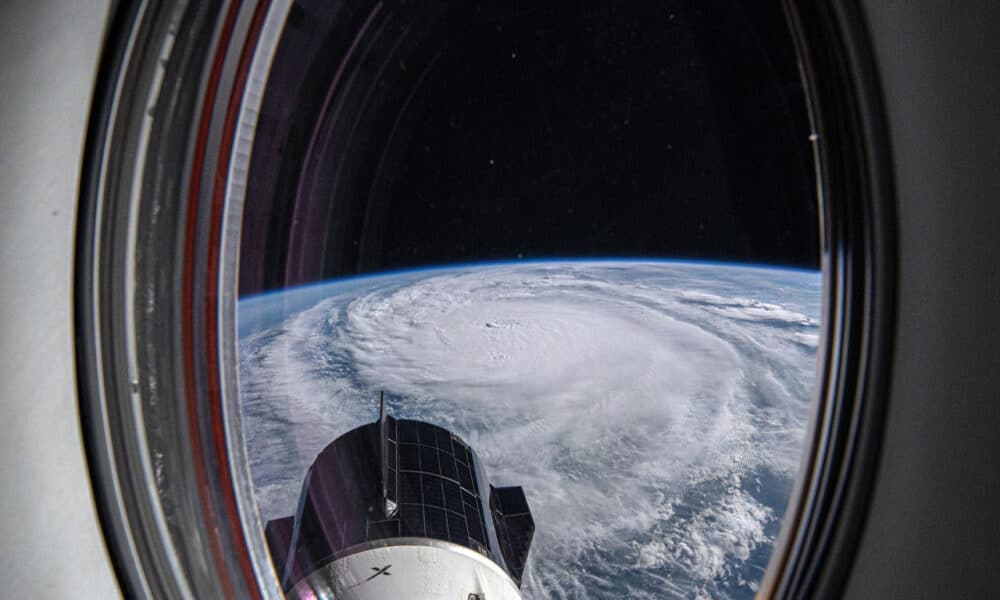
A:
625	261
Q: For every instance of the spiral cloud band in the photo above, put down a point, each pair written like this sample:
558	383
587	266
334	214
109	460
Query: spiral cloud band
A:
653	412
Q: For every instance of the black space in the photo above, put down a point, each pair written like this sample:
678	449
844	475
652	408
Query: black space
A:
468	132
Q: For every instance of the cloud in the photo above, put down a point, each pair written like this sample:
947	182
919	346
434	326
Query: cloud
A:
625	400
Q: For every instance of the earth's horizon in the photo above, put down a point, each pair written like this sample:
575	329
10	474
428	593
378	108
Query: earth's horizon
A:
653	411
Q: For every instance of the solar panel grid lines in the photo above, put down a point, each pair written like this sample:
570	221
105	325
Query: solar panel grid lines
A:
466	478
449	469
396	478
514	526
429	459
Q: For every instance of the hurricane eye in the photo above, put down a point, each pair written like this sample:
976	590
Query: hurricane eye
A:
574	249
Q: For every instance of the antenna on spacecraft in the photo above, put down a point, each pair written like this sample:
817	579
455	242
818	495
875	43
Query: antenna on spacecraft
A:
389	450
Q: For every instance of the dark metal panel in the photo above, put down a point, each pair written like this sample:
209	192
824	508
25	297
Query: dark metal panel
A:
343	494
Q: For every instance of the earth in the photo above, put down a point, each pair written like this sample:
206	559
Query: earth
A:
654	412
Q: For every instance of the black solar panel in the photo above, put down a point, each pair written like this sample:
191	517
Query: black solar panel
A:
514	526
453	496
429	460
409	457
429	476
427	433
448	468
472	513
458	529
409	488
408	432
433	494
411	517
443	440
462	453
465	477
476	531
437	524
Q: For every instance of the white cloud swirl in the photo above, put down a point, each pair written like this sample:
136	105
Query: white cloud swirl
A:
640	405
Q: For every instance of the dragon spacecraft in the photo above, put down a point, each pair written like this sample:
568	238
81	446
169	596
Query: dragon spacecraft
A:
403	509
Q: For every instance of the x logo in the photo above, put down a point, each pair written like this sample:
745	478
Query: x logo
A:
383	571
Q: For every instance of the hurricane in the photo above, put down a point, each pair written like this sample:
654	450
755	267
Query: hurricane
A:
654	412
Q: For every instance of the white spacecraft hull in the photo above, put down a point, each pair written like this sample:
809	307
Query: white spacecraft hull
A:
410	568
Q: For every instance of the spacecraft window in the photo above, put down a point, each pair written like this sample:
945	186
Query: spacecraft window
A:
557	290
582	236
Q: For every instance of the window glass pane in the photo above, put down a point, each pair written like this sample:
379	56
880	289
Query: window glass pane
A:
580	237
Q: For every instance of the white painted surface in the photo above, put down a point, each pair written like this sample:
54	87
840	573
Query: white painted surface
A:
441	571
50	540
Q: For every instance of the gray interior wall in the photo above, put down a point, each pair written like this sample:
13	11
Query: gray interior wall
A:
932	529
51	540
